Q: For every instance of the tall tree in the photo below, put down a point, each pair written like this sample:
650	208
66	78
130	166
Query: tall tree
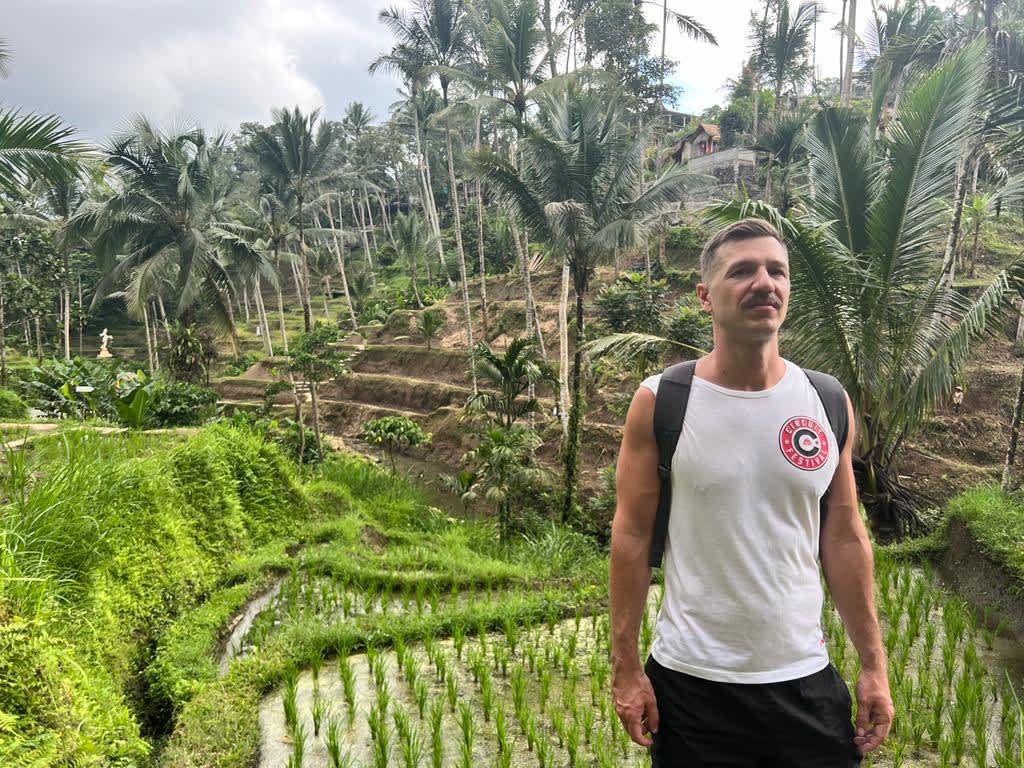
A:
171	199
578	188
295	151
788	46
851	41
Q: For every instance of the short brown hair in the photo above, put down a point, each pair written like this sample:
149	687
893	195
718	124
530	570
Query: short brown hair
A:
744	229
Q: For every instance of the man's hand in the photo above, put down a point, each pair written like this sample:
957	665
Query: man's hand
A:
636	707
874	710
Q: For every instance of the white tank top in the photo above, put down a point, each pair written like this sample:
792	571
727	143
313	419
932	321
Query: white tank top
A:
743	595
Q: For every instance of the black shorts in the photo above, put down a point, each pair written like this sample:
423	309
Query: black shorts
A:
802	723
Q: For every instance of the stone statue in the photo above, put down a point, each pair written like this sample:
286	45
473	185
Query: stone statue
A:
105	339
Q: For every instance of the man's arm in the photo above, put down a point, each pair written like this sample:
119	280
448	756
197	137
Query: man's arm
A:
848	564
637	487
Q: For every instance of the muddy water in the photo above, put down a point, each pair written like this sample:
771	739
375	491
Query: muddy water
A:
233	646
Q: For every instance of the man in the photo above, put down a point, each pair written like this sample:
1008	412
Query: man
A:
739	675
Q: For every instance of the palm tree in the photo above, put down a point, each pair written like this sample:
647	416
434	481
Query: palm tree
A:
295	151
165	216
851	40
870	302
33	145
508	377
410	245
578	188
787	47
357	119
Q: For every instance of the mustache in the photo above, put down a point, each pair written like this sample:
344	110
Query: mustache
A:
769	298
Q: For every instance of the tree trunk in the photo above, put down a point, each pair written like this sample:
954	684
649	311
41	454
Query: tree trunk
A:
369	218
851	39
245	304
1011	449
156	344
315	407
3	336
563	351
341	261
39	338
65	296
428	196
949	257
261	310
280	303
326	285
163	316
366	243
842	47
756	74
81	317
570	452
453	198
480	240
307	313
149	341
385	217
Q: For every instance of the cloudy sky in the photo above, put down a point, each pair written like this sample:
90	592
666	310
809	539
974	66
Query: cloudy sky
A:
219	62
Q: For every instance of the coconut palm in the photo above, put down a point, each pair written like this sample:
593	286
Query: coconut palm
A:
411	243
787	47
578	188
295	151
870	303
164	218
33	145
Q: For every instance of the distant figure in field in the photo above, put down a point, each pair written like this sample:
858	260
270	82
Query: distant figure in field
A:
739	673
958	399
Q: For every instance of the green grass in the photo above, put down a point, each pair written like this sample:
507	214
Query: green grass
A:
996	520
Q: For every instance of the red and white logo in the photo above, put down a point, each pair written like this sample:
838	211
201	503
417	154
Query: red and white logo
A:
804	443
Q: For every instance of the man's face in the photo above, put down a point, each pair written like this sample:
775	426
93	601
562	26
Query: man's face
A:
747	291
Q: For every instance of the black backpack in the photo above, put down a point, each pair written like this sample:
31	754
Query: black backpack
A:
670	410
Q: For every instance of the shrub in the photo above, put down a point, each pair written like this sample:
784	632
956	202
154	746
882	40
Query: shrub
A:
632	304
684	238
12	407
394	433
688	324
181	404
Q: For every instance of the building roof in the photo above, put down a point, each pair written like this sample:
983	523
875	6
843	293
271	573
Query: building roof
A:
709	128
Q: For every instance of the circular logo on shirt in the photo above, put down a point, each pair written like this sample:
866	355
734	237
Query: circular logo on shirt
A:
804	443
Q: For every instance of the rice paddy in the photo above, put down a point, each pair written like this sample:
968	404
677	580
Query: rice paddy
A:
536	693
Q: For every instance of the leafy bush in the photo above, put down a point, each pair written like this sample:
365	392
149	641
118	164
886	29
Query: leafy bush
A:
684	238
632	304
240	365
688	324
394	433
12	407
180	404
190	353
429	323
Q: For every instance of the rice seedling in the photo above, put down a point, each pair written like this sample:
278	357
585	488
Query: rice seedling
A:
545	688
487	696
531	732
380	737
458	639
383	698
572	743
420	693
434	598
558	724
436	736
511	633
335	758
410	670
588	725
298	746
467	732
291	690
545	758
348	684
451	684
320	708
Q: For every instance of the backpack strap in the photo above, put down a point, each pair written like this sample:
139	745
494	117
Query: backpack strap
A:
833	398
669	412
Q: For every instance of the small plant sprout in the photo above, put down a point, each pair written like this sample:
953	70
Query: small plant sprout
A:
487	696
291	690
452	688
380	736
348	684
320	708
335	757
467	731
298	745
436	735
421	693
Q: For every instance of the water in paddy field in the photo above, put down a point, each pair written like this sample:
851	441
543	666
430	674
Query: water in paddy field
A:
550	683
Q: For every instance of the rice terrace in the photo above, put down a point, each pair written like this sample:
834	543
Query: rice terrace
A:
331	429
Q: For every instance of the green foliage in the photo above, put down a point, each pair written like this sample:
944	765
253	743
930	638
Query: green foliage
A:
99	553
632	303
507	378
12	407
395	433
315	354
689	240
996	520
241	364
505	468
429	323
190	353
181	404
688	324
